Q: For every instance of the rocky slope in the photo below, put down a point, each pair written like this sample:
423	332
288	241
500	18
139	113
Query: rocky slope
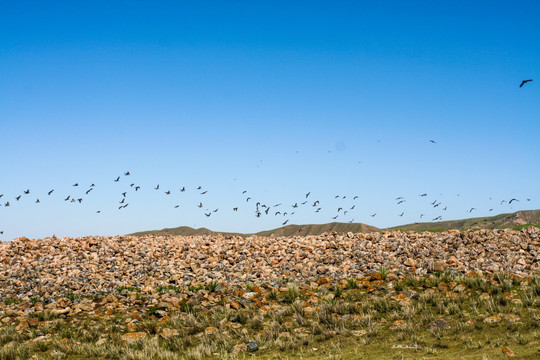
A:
52	266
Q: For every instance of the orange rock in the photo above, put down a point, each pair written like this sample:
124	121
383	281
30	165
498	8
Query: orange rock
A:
506	351
211	331
167	333
133	337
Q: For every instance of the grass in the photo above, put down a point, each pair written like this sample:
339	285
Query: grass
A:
476	316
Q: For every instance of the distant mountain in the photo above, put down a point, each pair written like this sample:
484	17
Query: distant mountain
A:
318	229
517	219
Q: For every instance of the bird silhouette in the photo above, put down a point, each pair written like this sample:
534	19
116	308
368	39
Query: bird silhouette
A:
335	217
472	209
248	199
66	199
93	185
373	215
37	201
183	189
76	184
401	214
319	209
304	203
356	197
127	173
199	188
277	212
208	215
168	192
18	198
27	191
235	209
98	212
177	206
7	204
424	194
124	194
352	208
421	216
79	200
437	218
50	192
245	191
215	210
399	198
339	209
513	200
89	191
137	188
285	222
308	194
117	179
157	187
295	205
121	202
401	201
200	205
432	141
523	82
204	192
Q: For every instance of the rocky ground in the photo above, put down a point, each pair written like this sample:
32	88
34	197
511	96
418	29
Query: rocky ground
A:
200	296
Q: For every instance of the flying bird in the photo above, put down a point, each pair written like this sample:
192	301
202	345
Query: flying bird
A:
7	204
200	205
248	199
513	200
373	215
76	184
199	188
37	201
286	221
18	197
168	192
27	191
524	82
208	215
356	197
308	194
117	179
132	185
472	209
99	211
50	192
437	218
157	187
401	202
124	193
127	173
137	188
335	217
401	214
235	209
204	192
89	191
177	206
183	189
66	199
432	141
424	194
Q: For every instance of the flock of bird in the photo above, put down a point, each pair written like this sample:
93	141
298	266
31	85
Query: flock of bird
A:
259	209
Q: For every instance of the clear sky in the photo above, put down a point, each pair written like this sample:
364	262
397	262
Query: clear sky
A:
276	98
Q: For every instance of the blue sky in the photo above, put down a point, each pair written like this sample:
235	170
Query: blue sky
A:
278	99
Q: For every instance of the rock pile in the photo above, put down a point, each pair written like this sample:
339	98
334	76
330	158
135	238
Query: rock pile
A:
52	267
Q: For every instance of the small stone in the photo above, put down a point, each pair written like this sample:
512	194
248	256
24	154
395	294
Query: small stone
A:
238	348
252	346
168	333
507	351
101	341
250	295
439	324
492	319
133	337
211	331
399	325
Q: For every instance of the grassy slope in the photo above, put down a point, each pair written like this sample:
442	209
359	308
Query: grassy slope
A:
514	220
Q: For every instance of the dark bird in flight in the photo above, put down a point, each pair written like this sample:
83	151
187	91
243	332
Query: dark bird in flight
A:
245	191
352	207
76	184
277	212
168	192
124	193
1	195
199	188
424	194
89	191
248	199
432	141
285	222
50	192
204	192
200	205
208	215
92	185
502	202
258	214
399	198
7	204
401	201
445	208
401	214
285	213
308	194
335	217
18	197
177	206
350	222
157	187
137	188
216	210
266	211
335	197
66	199
37	201
524	82
99	211
339	209
490	210
1	233
373	215
183	189
433	203
316	203
421	216
121	202
127	173
527	199
277	205
513	200
79	200
295	205
132	185
117	179
437	218
319	209
472	209
356	197
27	191
235	209
304	203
